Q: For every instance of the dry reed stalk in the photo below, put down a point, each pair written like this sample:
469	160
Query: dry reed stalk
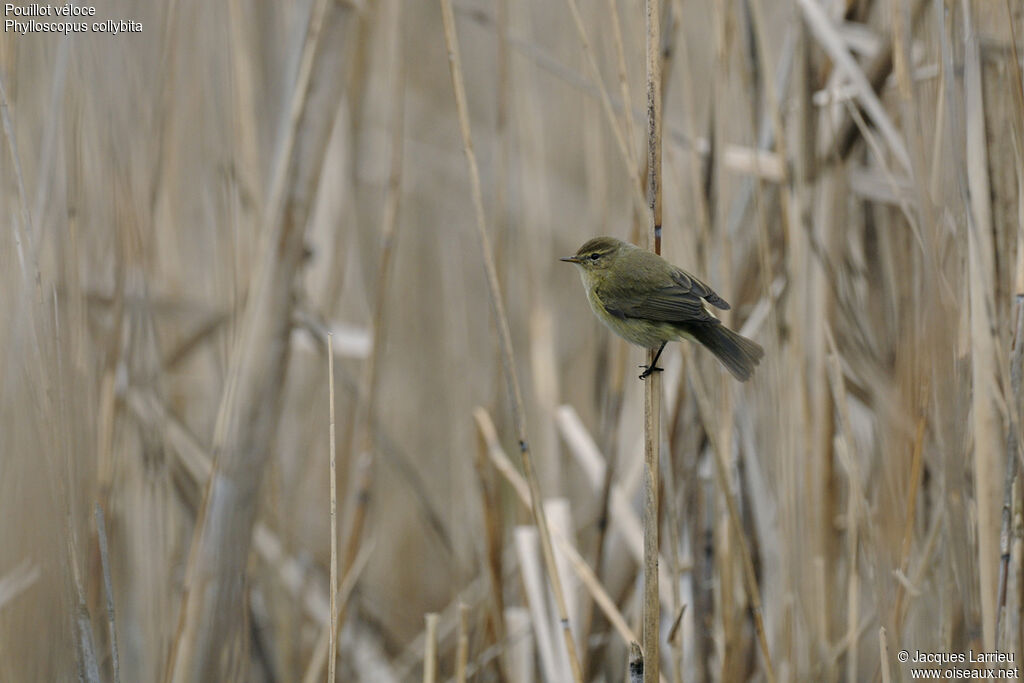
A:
840	138
63	484
763	165
504	143
855	506
627	97
244	108
490	503
910	513
505	337
430	650
622	517
606	102
579	565
833	43
332	655
519	654
552	665
363	426
678	138
462	651
611	418
675	525
251	401
1018	98
400	461
559	516
987	467
196	465
698	198
1014	452
474	594
675	638
108	590
652	385
722	477
774	108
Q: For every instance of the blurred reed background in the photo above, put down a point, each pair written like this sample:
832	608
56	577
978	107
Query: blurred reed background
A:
189	209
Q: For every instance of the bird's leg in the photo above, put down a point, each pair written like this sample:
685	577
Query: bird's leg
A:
653	367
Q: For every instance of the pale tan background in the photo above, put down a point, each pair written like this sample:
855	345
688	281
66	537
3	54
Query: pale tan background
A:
134	169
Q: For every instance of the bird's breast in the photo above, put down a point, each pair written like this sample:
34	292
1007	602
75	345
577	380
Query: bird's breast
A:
647	333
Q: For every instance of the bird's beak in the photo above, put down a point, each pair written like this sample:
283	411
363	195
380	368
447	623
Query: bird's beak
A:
570	259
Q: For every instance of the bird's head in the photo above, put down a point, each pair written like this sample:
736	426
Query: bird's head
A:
599	255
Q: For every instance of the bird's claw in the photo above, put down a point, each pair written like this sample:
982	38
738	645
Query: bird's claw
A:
648	371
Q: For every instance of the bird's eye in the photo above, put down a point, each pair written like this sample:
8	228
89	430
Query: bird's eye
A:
595	256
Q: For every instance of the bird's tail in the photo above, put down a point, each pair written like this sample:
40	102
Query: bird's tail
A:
737	353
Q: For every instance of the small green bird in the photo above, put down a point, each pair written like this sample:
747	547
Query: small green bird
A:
649	302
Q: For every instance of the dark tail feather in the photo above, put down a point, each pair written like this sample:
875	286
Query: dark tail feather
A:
737	353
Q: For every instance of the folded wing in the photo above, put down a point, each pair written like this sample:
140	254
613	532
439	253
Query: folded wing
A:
681	302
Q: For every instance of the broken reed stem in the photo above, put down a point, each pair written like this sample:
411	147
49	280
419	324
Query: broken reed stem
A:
430	650
505	337
883	655
462	651
636	663
586	575
492	520
333	640
652	386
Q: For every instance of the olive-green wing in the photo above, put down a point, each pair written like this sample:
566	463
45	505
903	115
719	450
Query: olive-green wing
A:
699	288
681	301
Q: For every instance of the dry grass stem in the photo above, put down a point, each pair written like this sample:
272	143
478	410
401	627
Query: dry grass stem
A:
321	652
332	654
505	339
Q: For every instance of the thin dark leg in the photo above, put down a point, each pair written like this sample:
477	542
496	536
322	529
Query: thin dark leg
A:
653	367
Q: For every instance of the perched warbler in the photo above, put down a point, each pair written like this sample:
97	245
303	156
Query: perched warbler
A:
649	302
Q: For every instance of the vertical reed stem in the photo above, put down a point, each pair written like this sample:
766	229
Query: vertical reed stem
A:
652	388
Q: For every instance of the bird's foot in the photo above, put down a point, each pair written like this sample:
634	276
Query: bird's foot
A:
649	370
